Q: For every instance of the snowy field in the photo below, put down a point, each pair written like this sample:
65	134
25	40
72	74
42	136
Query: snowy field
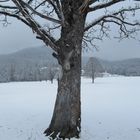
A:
110	109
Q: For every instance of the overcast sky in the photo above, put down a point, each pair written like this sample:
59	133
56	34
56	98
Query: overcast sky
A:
114	50
17	36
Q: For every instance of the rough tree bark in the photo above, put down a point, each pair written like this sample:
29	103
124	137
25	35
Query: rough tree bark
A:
66	120
67	112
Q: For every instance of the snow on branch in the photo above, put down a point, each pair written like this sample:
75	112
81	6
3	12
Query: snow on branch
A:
113	15
119	18
28	12
35	26
104	5
15	16
123	21
40	14
4	0
93	1
8	7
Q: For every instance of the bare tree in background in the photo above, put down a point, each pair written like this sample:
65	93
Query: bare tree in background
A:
92	68
45	17
12	72
51	72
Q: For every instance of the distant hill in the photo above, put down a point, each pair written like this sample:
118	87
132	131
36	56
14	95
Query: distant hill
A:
25	65
29	54
128	67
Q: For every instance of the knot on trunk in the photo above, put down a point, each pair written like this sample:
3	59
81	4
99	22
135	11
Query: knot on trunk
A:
67	66
66	62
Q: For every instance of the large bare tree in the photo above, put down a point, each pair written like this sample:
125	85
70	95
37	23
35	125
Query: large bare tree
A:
68	17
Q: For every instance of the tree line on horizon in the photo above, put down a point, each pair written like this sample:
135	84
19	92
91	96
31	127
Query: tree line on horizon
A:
92	67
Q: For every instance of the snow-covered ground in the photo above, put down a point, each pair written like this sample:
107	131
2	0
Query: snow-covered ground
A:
110	109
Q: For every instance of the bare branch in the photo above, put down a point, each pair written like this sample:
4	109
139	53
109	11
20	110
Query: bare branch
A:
35	26
15	16
104	5
56	4
4	0
84	6
55	11
55	7
30	1
60	12
92	1
43	2
39	14
113	15
8	7
101	27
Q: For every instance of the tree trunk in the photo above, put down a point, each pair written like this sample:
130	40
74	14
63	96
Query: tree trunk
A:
66	120
93	77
